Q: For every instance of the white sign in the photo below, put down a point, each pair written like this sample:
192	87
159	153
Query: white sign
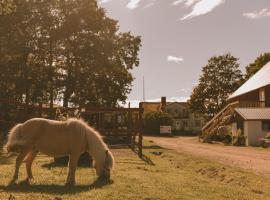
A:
165	129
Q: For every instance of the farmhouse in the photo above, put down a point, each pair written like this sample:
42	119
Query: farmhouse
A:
248	111
183	119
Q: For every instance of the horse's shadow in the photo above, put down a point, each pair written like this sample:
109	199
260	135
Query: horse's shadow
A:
54	189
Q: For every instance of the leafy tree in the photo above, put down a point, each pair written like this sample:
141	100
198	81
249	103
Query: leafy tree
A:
260	61
153	121
220	77
68	51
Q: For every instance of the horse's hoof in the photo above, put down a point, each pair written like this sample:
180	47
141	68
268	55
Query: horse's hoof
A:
12	182
25	182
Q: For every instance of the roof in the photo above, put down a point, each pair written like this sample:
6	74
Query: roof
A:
180	103
158	102
258	80
254	113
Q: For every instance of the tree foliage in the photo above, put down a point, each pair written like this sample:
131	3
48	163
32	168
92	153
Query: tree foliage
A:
220	77
259	62
68	51
153	121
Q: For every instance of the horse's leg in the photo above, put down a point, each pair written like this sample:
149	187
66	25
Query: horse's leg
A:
72	165
19	160
28	163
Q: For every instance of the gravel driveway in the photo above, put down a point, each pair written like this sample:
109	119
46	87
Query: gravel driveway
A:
255	159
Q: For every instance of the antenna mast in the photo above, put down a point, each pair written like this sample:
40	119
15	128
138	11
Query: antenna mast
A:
143	90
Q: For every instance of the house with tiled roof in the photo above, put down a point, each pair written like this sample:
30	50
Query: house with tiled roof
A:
248	110
183	119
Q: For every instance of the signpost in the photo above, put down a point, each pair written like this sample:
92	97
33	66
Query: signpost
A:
165	129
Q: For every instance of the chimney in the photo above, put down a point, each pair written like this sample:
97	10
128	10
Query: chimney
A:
163	102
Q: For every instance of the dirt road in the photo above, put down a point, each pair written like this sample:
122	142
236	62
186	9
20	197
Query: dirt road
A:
252	158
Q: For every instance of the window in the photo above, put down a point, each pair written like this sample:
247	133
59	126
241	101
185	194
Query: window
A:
262	94
266	125
185	123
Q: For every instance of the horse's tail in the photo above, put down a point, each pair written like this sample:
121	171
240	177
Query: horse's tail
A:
13	141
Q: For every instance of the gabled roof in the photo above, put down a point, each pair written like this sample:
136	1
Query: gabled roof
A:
258	80
254	113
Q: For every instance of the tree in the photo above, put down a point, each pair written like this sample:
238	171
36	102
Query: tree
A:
259	62
220	77
153	121
68	51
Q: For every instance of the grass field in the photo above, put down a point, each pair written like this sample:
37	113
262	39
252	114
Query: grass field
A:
166	175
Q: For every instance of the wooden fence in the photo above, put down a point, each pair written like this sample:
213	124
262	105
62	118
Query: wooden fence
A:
121	125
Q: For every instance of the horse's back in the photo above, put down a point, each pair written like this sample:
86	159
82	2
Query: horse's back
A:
56	137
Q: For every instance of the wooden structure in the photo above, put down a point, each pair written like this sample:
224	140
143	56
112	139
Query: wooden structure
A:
251	104
123	126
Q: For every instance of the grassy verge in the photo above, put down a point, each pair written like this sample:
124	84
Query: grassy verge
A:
171	176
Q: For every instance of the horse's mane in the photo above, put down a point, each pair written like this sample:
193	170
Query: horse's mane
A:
84	124
93	137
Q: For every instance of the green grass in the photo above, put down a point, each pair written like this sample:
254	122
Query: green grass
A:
173	176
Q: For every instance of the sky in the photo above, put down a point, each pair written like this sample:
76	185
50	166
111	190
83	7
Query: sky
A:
179	36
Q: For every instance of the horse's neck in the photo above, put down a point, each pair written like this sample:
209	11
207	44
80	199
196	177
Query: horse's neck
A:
96	148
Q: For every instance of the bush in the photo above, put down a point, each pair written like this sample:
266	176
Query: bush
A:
153	121
240	139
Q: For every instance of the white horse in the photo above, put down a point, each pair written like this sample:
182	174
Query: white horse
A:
58	138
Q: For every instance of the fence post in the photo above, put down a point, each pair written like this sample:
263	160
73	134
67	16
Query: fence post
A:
129	128
140	130
40	109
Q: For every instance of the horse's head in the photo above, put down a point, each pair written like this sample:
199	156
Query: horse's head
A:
104	171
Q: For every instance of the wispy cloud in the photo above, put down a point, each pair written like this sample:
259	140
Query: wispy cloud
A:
265	12
149	5
184	90
174	59
187	2
103	1
132	4
199	7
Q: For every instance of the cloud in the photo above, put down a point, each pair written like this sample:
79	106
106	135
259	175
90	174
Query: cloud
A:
199	7
174	59
265	12
188	3
103	1
149	5
132	4
184	90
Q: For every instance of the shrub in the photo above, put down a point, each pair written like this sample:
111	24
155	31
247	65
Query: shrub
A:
240	139
153	121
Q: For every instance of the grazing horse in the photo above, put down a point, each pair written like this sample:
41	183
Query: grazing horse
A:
58	138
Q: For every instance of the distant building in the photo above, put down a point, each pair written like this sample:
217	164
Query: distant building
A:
248	110
183	119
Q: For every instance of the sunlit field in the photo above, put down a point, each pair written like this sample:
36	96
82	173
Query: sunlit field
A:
164	174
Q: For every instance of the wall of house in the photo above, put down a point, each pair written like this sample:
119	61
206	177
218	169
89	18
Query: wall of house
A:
177	110
151	107
253	132
183	119
234	129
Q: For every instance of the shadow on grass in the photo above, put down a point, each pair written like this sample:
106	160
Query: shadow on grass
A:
5	159
153	147
54	189
54	165
144	157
